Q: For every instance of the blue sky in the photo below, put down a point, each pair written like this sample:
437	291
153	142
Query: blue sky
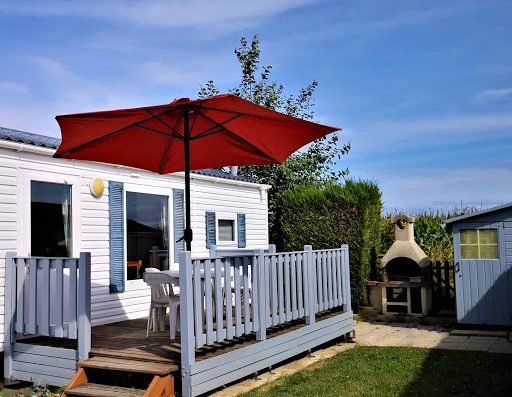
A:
422	89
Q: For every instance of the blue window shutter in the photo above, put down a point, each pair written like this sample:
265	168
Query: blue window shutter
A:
211	238
240	218
179	222
116	222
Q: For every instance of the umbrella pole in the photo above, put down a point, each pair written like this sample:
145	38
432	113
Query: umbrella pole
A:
186	144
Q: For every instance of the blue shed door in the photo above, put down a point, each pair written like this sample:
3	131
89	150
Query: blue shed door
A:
483	287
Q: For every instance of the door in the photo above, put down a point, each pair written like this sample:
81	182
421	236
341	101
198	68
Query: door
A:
483	278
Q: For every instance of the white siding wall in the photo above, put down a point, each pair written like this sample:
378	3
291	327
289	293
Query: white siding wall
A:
8	226
208	194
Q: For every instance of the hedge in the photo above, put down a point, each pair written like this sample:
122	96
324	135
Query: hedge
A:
330	217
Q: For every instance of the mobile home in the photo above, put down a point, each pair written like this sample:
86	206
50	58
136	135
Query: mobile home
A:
76	238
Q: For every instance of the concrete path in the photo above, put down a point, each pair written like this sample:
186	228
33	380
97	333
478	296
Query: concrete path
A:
435	337
370	333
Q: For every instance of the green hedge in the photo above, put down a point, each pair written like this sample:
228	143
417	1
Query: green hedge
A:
330	217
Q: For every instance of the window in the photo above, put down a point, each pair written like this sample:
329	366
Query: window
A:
479	244
147	232
50	220
226	230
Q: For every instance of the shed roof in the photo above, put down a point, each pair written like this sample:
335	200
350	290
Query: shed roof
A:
28	138
476	214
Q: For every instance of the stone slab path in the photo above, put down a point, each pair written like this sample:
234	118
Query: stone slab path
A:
435	337
371	333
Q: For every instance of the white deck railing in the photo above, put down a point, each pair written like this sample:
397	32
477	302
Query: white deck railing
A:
227	297
49	297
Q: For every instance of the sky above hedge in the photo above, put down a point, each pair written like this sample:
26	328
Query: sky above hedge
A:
422	89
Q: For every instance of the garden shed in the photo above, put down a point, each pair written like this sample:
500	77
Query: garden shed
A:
483	266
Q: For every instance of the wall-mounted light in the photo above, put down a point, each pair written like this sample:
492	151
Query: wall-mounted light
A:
97	187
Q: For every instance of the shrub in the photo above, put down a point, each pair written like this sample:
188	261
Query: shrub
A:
331	216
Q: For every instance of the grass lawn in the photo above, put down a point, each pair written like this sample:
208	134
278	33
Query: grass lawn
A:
399	371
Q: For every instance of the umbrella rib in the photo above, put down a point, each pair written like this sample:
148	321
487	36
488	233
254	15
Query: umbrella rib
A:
166	155
240	113
168	150
173	135
176	134
137	123
210	131
239	138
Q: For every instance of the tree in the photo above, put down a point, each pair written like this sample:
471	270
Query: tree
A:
313	166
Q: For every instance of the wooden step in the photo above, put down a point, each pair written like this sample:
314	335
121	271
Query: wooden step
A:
118	364
97	390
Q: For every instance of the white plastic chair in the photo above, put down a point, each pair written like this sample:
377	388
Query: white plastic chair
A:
162	297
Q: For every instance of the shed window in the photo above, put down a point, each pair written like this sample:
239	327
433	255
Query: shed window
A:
226	230
479	244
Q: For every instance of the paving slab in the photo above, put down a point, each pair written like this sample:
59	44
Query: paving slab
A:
478	332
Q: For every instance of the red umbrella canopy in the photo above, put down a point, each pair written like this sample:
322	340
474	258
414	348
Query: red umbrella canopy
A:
223	130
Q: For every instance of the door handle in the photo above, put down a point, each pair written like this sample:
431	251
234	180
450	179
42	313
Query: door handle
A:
457	267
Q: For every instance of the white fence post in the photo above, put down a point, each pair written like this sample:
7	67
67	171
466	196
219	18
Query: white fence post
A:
213	251
84	305
272	249
347	304
261	334
188	353
10	299
310	292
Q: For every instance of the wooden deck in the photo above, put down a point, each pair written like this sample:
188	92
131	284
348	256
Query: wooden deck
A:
127	340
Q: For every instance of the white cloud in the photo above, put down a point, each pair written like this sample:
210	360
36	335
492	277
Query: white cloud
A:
372	137
494	94
12	87
189	69
170	14
447	188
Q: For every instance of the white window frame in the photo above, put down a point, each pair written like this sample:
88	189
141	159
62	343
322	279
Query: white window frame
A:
24	213
155	190
228	216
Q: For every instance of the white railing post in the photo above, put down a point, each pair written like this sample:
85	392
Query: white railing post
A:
10	299
84	305
213	251
188	353
345	265
310	292
272	249
261	334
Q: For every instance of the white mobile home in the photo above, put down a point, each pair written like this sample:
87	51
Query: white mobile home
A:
47	209
75	239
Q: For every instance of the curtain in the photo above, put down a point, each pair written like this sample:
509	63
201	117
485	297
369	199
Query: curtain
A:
66	220
164	224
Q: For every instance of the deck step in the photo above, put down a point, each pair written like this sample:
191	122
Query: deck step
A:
114	377
118	364
97	390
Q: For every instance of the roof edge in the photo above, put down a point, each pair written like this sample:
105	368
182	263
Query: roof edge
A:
45	145
477	213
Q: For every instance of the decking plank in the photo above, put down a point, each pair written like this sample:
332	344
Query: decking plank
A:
125	365
127	340
93	389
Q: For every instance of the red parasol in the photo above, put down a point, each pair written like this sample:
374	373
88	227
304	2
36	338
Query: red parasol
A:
186	135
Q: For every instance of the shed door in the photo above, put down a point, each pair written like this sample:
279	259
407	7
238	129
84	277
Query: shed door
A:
484	287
